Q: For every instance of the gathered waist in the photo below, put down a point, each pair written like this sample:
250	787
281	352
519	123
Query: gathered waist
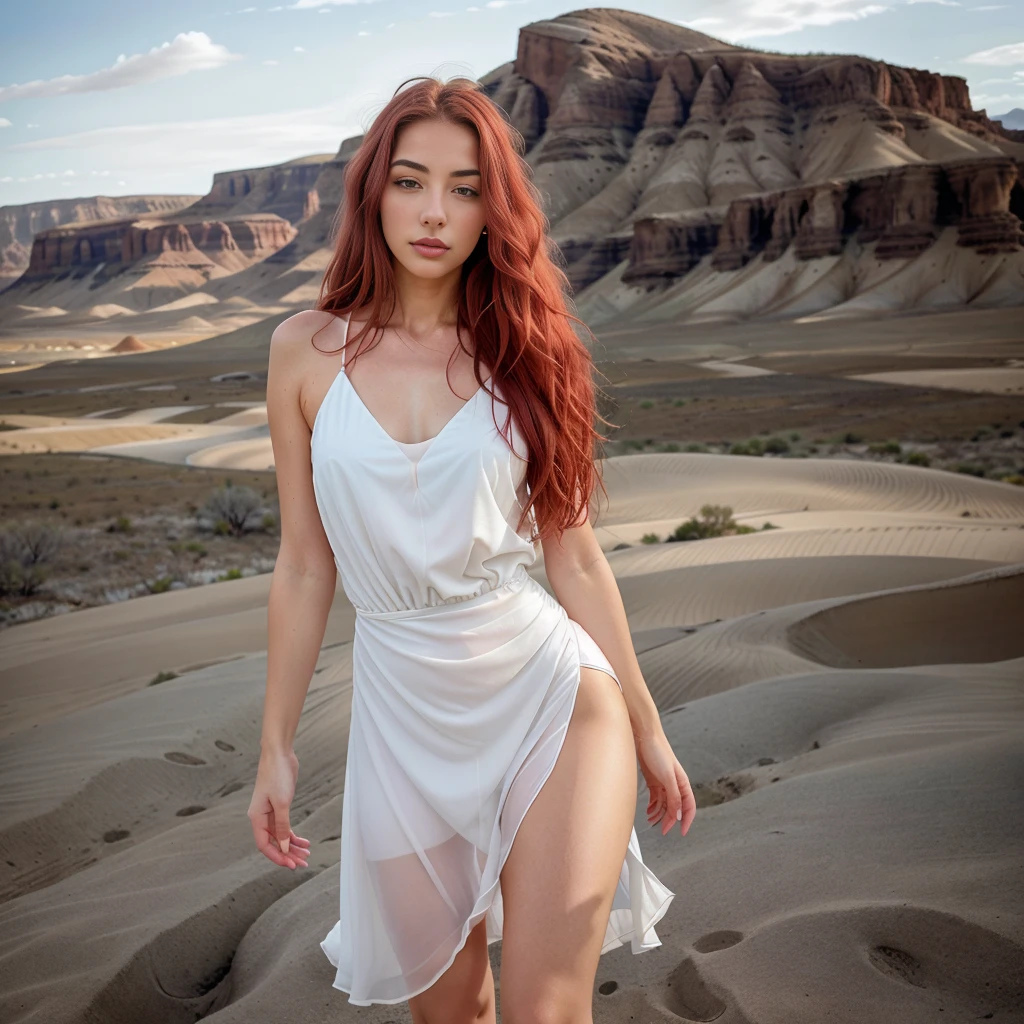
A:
515	583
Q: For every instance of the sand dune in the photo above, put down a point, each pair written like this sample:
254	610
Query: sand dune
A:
995	379
785	755
96	435
647	488
253	416
845	694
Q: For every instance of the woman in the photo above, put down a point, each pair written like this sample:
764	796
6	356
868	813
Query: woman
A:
483	710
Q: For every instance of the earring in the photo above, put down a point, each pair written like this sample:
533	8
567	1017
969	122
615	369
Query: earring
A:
484	232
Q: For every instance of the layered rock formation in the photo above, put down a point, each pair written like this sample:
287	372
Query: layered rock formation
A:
657	150
107	248
19	224
284	189
662	146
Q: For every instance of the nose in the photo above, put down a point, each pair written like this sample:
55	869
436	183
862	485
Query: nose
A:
433	211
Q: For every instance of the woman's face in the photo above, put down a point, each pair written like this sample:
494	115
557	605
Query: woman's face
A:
433	191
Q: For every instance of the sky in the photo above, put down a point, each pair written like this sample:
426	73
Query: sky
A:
120	98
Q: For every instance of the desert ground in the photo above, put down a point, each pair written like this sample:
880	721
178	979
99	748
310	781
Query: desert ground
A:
838	661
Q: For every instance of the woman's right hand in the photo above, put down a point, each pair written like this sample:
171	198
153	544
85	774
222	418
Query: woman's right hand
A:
276	776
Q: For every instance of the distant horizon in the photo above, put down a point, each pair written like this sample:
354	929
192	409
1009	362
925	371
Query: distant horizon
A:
158	106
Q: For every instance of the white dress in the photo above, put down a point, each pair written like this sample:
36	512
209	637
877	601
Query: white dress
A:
464	676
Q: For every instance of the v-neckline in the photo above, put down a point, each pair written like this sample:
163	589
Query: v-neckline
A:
396	444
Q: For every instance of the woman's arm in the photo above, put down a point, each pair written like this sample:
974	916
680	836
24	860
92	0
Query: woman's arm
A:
585	586
305	574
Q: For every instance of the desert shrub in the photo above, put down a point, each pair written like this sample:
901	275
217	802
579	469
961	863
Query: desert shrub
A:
714	521
755	446
650	538
695	446
122	524
24	549
162	677
885	448
916	459
776	445
969	468
233	509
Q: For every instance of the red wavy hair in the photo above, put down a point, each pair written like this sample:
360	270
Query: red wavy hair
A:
513	300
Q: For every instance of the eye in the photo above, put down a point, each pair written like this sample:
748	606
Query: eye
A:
471	194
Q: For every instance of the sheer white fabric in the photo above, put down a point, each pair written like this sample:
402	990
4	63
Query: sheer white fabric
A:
465	674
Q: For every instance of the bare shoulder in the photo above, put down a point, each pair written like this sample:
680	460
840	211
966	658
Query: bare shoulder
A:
300	327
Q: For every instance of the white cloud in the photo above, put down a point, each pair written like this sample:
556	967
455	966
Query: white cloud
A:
943	3
299	49
4	123
216	143
503	3
779	17
1006	99
1011	53
189	51
304	5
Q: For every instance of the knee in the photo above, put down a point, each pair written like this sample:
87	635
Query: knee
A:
537	1005
469	1009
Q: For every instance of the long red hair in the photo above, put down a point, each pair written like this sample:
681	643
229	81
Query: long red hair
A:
513	300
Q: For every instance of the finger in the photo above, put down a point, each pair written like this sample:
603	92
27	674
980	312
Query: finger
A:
267	845
298	841
282	830
656	815
295	857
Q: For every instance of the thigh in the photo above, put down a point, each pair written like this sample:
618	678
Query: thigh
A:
560	876
464	994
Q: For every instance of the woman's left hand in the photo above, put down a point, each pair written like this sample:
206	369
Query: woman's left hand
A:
672	799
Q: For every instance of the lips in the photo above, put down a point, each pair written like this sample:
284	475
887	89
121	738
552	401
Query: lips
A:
430	243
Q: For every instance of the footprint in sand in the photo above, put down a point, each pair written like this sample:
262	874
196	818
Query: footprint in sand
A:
714	941
688	996
179	758
723	789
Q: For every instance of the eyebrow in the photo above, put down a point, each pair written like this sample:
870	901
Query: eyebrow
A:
419	167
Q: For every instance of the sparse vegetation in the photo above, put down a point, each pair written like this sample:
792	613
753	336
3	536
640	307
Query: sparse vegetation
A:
235	510
24	552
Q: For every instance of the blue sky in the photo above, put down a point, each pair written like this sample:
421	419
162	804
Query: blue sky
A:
119	98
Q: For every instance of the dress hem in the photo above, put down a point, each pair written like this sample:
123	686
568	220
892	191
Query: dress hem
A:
489	895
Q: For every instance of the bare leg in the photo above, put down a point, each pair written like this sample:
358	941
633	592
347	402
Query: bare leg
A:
560	876
464	994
